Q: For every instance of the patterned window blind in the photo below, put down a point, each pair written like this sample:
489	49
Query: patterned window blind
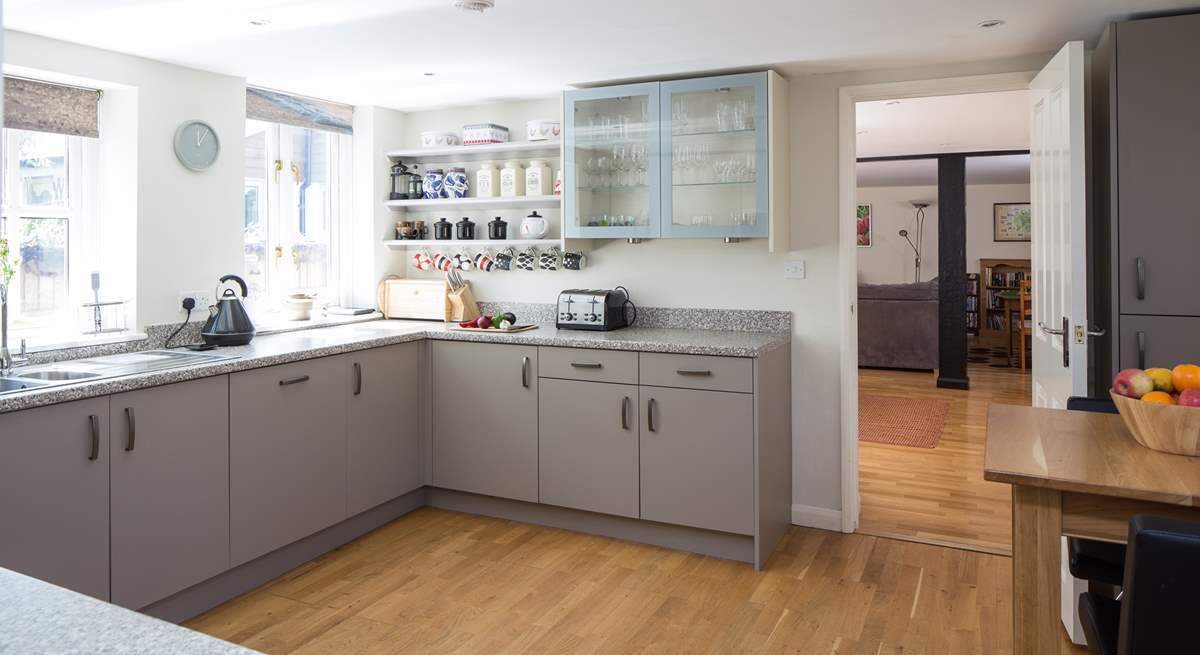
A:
47	107
277	107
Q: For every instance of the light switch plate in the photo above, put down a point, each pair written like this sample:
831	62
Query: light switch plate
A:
794	269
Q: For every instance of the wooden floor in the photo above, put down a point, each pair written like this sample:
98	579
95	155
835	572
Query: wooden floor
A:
442	582
938	495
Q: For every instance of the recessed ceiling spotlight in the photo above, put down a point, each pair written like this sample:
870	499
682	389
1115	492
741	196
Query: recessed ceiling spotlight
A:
892	102
989	23
478	6
259	22
429	74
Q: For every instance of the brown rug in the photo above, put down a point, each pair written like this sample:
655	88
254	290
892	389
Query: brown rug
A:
901	421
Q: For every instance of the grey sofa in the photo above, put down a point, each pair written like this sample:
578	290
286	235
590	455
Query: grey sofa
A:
898	325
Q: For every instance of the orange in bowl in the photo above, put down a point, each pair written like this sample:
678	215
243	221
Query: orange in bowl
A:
1159	397
1185	376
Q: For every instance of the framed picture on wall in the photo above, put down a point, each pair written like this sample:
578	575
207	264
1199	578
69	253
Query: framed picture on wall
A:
1012	221
864	226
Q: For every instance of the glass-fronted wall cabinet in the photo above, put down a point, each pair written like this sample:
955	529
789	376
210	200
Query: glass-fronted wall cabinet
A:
714	163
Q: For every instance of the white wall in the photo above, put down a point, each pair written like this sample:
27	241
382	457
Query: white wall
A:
890	259
376	130
189	225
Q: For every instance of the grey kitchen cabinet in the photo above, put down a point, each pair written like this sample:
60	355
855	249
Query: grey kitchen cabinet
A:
54	494
1159	341
287	454
170	489
384	424
588	451
485	419
697	458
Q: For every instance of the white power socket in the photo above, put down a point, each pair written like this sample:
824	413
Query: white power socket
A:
203	300
794	269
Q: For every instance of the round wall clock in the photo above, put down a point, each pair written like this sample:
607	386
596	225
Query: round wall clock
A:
196	145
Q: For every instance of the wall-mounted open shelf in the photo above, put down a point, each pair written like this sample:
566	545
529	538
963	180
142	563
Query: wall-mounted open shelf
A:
405	244
516	202
483	152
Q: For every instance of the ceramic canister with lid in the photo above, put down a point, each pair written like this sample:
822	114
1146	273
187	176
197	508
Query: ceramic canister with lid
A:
498	229
455	184
538	180
432	187
512	179
487	180
443	230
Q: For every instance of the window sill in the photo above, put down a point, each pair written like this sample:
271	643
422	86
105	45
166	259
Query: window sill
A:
277	324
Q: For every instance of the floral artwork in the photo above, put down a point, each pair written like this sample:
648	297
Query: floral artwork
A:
864	226
1013	221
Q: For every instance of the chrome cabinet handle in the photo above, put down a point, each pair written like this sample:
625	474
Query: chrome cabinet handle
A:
651	405
95	452
1139	264
697	374
586	365
289	381
625	413
525	372
131	437
357	378
1141	347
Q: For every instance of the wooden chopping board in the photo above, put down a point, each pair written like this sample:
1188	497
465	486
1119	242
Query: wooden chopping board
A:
515	328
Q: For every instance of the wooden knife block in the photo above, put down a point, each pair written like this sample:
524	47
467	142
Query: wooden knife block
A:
462	305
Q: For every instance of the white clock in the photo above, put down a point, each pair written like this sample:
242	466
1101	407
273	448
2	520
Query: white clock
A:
196	145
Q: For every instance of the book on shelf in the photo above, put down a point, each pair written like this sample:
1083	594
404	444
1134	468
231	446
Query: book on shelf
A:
1005	279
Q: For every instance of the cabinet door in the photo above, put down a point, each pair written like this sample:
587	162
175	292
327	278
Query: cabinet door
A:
697	458
1158	154
588	446
54	494
611	162
384	424
714	157
485	413
287	454
1159	341
170	489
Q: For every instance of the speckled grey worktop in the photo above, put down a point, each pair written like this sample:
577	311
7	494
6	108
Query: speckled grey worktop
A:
274	349
38	617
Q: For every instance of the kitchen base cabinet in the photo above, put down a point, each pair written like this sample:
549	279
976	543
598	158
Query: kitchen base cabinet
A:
697	458
170	489
54	494
383	425
485	419
287	454
588	446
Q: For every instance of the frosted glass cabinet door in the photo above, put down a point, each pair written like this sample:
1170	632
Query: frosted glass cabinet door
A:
714	156
611	159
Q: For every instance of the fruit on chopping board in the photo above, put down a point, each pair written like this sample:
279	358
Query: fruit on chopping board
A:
1133	383
1162	379
510	317
1190	397
484	322
1185	376
1159	397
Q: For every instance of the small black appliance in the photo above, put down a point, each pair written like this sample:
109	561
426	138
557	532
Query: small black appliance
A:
595	309
228	322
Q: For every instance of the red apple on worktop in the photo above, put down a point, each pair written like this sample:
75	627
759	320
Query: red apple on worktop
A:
1133	383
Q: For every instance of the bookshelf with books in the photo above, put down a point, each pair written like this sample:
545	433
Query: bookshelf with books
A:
973	304
999	278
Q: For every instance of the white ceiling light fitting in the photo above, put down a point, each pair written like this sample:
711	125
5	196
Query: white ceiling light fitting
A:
260	22
989	23
478	6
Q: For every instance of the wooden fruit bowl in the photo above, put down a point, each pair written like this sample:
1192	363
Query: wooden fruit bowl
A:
1168	428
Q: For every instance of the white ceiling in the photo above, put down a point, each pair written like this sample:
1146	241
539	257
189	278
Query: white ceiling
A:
959	123
1005	169
375	51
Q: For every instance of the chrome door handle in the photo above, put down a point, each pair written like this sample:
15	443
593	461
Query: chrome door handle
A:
132	436
1050	330
1096	332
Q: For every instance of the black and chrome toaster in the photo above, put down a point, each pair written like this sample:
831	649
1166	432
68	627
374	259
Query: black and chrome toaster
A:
593	309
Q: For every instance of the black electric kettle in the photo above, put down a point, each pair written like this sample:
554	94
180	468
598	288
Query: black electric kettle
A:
228	323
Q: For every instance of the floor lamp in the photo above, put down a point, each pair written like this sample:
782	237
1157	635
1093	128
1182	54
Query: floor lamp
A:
920	206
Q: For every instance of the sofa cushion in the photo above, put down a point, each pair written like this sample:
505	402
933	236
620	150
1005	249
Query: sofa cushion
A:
909	291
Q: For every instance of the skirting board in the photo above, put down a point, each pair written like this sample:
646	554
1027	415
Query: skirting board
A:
817	517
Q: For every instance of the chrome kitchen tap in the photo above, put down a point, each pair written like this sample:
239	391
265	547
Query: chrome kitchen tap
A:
7	361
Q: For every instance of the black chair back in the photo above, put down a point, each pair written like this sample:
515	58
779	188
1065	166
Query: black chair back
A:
1160	610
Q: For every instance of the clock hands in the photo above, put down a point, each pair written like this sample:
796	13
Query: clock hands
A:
200	134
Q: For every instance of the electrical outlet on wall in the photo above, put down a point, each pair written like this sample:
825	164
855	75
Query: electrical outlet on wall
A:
794	269
203	300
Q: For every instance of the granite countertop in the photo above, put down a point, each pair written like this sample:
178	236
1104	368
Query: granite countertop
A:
38	617
274	349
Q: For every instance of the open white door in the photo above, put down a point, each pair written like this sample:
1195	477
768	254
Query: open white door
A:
1058	204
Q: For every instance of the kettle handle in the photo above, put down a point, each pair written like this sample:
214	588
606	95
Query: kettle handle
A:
240	281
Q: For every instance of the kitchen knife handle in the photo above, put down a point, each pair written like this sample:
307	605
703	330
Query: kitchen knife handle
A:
625	413
586	365
357	378
290	381
95	452
1139	264
1141	346
525	372
650	407
131	437
698	374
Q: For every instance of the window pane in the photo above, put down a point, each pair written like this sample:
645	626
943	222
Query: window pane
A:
41	280
255	227
312	229
41	168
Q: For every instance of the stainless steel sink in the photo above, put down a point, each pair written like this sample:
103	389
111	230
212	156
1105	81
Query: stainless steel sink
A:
56	375
100	368
9	385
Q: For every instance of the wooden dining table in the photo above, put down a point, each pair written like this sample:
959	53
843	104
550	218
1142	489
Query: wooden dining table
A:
1078	474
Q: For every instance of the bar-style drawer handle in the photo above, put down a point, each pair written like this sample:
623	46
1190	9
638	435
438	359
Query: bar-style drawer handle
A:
651	405
695	374
302	378
1139	265
586	365
525	372
95	452
625	413
357	379
130	438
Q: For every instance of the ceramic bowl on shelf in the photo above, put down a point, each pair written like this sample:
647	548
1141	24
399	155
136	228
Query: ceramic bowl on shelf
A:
1167	428
542	130
439	139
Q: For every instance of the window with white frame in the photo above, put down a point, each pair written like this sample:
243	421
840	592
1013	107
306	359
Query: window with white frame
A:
296	183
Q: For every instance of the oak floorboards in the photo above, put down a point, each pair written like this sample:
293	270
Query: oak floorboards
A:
938	495
442	582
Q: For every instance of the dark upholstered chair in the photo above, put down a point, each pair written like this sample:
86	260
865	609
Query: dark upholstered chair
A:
1160	601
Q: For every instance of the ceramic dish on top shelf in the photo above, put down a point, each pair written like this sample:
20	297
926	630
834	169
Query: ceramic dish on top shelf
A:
542	130
439	139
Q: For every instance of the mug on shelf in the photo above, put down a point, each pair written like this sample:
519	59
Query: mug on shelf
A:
503	260
573	260
484	262
527	259
548	261
422	261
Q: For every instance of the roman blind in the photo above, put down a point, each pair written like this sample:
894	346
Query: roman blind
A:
48	107
278	107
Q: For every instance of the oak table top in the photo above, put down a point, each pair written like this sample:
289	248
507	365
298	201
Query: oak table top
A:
1083	452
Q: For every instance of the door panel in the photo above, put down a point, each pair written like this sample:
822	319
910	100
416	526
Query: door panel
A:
1159	341
53	498
588	446
384	424
170	489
